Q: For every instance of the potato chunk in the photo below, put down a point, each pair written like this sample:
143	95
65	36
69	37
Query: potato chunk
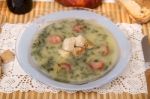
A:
68	44
80	41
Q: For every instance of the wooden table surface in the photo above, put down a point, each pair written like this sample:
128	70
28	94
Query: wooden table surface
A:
111	10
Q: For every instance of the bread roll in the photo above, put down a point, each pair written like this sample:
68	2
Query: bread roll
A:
139	10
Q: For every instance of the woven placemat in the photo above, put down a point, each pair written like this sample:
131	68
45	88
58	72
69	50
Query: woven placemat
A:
111	10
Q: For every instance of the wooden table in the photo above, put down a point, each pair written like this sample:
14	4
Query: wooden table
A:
111	10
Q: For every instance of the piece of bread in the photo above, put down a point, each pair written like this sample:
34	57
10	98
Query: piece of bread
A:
145	3
7	56
139	10
1	61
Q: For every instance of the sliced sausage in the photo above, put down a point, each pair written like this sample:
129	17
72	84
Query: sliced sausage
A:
97	65
65	66
54	39
78	28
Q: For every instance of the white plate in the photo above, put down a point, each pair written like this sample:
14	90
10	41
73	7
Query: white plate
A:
24	42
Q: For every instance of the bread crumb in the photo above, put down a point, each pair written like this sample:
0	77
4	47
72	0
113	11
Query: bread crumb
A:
7	56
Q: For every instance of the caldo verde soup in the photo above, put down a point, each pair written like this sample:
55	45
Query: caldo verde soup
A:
74	51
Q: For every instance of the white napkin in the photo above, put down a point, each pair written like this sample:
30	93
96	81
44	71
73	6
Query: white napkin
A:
132	80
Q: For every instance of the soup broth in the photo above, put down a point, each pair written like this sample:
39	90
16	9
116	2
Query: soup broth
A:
74	51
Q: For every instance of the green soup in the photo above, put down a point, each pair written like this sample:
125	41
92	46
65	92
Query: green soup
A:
78	64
